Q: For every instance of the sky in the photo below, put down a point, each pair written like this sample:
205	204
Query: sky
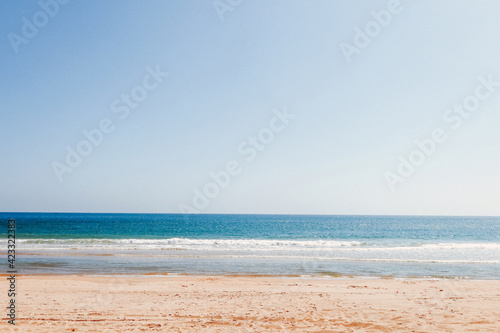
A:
250	107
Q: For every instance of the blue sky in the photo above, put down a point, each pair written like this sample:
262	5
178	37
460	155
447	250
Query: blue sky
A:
352	120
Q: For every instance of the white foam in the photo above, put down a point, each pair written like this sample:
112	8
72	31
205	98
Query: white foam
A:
186	243
268	248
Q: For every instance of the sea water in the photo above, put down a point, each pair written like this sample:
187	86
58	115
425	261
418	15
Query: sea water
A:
365	246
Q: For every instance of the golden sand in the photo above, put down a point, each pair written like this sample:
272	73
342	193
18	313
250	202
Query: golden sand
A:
252	304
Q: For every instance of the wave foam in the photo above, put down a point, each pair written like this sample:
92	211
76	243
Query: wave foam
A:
254	245
187	243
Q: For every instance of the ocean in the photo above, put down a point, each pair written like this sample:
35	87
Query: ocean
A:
287	245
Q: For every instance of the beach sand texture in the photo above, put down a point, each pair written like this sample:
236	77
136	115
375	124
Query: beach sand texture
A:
252	304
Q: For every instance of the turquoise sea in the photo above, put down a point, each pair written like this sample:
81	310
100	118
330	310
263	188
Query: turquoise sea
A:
303	245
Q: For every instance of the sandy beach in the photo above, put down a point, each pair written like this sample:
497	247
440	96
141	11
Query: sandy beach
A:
252	304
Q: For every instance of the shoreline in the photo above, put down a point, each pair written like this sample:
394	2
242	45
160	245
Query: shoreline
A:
249	275
221	303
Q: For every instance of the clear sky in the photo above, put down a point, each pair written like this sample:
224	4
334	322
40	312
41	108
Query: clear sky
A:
351	106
